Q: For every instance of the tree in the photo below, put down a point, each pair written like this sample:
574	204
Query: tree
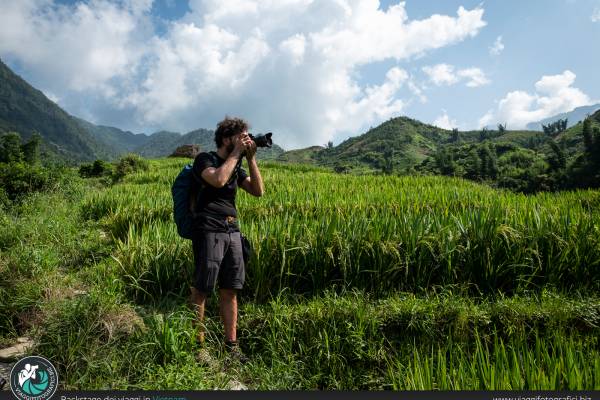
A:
596	146
388	162
10	148
489	162
330	145
455	136
473	165
558	160
501	129
555	127
483	134
588	139
445	162
31	149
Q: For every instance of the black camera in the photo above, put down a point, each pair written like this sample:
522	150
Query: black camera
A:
262	140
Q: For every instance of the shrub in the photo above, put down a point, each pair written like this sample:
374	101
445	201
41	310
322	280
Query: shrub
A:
4	200
85	171
129	164
19	179
96	169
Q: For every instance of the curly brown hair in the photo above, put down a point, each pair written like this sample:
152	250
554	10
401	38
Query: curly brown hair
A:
229	127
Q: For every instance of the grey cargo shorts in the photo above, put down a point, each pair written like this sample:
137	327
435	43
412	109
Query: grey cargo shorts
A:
218	258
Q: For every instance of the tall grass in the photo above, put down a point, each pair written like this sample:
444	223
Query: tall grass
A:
543	364
440	341
398	270
154	262
313	230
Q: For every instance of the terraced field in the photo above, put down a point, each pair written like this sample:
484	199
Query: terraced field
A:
357	282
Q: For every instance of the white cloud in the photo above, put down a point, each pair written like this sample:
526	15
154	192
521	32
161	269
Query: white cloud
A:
475	77
441	74
294	46
288	66
417	91
80	47
497	47
486	120
553	94
52	96
596	15
443	121
445	74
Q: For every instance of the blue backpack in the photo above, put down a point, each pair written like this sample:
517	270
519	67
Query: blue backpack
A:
184	191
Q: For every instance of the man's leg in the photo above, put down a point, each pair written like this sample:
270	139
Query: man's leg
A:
208	251
198	300
231	279
228	308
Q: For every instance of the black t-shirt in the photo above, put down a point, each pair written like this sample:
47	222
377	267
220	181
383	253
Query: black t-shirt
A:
214	204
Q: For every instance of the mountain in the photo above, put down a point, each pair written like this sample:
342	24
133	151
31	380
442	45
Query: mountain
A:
401	144
573	117
118	140
158	144
400	141
306	155
26	110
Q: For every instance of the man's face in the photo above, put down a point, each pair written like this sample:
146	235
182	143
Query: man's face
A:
229	142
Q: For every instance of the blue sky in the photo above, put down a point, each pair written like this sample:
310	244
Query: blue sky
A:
311	71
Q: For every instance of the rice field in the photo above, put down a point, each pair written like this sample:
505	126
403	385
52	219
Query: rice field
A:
314	230
357	282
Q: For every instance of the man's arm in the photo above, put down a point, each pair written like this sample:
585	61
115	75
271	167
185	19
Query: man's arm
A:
218	177
254	183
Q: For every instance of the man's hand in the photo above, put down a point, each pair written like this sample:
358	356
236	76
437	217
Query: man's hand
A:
251	150
241	144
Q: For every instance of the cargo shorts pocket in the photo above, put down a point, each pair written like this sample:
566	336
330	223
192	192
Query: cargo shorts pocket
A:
209	255
233	271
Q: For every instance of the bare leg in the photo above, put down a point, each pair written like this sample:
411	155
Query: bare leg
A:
198	300
228	308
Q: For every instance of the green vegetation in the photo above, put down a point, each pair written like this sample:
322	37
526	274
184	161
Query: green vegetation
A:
20	171
96	169
522	161
381	235
549	164
71	140
26	110
560	158
358	282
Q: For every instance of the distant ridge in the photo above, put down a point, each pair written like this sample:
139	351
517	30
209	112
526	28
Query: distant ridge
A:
574	116
403	144
26	110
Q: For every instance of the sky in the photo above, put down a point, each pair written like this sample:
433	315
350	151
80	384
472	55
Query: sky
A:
310	71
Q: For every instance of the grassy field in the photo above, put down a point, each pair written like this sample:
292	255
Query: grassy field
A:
358	282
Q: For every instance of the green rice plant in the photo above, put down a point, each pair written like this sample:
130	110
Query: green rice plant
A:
169	338
314	230
332	342
89	339
154	262
346	342
555	363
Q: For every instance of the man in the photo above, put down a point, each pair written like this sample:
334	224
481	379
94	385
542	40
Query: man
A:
217	244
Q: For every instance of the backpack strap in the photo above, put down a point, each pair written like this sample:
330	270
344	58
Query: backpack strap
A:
199	179
198	186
